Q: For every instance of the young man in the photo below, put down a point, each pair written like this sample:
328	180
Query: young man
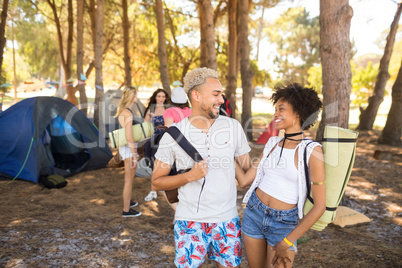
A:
206	219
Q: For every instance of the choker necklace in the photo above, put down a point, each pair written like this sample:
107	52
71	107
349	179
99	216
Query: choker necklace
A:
287	136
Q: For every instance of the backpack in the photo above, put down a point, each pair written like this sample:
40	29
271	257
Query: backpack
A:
339	148
53	181
225	108
151	147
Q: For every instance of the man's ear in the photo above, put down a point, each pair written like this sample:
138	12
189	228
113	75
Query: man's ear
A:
195	95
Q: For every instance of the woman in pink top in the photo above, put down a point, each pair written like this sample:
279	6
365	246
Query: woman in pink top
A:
181	109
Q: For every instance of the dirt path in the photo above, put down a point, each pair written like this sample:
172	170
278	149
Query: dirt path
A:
81	225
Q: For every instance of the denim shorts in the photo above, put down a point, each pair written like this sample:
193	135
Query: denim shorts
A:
263	222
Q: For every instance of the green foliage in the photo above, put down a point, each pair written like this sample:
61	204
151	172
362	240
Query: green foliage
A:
297	37
36	41
363	80
315	78
261	77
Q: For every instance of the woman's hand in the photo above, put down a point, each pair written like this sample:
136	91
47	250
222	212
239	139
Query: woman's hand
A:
282	251
134	161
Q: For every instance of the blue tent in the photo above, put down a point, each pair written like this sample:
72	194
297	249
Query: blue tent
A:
47	135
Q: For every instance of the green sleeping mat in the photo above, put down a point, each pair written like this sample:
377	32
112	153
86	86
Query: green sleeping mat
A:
339	147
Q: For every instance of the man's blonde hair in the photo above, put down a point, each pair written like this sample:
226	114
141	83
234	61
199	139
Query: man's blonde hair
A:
197	77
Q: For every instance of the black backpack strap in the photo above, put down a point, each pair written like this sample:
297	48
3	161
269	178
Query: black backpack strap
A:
139	109
189	149
307	172
135	122
184	143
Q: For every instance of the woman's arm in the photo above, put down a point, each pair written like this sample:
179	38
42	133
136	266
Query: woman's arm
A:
126	121
317	176
247	178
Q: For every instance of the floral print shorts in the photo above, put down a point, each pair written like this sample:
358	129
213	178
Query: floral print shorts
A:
194	240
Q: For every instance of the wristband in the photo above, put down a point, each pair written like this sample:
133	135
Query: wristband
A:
288	242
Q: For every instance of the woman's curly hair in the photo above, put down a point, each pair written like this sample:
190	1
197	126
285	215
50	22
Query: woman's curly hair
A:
304	100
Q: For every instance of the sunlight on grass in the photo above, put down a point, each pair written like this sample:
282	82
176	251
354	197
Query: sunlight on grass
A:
358	194
167	249
98	201
150	208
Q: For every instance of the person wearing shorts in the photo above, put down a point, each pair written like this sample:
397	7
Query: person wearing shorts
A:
206	217
129	151
276	197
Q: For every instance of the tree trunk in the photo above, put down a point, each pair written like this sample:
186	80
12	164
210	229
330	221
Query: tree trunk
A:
245	70
163	64
99	105
335	18
391	134
230	91
80	56
260	27
203	41
126	36
65	60
2	32
368	115
209	34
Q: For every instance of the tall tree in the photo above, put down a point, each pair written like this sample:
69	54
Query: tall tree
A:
391	134
335	19
163	64
368	115
65	59
207	34
3	31
80	55
231	85
126	42
99	105
245	70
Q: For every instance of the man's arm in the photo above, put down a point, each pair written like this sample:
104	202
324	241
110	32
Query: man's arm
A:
244	161
161	181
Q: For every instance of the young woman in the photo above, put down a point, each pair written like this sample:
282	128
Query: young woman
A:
157	105
129	151
275	200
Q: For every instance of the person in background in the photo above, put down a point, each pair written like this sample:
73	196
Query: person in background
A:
180	107
276	198
129	151
157	105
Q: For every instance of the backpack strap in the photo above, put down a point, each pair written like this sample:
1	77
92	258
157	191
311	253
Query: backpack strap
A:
139	109
189	149
306	171
184	143
308	184
136	122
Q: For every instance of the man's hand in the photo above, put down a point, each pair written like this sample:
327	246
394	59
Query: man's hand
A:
199	170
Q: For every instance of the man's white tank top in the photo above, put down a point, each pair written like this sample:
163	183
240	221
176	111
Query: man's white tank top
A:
280	178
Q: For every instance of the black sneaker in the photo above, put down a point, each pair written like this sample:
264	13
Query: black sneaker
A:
133	204
131	213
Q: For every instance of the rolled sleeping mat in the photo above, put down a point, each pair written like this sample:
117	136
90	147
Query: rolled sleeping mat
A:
141	131
339	147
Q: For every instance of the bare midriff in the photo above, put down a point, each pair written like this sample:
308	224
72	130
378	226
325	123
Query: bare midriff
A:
272	202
